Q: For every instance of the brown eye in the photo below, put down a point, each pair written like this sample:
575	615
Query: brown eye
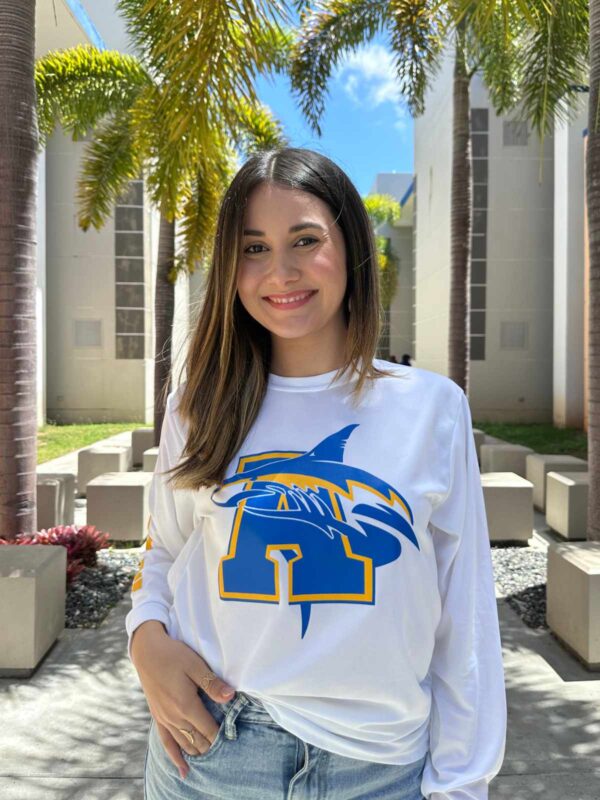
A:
250	251
309	239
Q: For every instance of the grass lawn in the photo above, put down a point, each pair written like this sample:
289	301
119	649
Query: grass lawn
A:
58	440
540	436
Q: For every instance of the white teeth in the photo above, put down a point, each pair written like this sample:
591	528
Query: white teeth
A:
290	299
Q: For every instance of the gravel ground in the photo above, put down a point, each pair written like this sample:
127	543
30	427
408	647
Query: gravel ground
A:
520	574
97	589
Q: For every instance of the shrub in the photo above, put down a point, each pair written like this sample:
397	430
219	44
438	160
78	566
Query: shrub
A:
81	541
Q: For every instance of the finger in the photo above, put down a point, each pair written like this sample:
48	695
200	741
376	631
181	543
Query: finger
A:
215	688
172	749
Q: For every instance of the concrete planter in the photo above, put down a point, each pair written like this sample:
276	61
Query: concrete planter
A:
573	598
142	439
508	506
566	503
504	458
118	504
538	465
33	580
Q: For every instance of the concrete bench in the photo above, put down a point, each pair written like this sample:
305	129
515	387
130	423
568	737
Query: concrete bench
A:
142	439
97	460
479	437
566	503
150	457
504	457
573	598
538	465
33	581
117	504
508	506
55	499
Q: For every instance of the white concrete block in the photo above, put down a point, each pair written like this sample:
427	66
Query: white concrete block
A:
504	457
97	460
566	503
142	439
55	499
479	437
573	598
117	504
538	465
508	505
33	580
150	457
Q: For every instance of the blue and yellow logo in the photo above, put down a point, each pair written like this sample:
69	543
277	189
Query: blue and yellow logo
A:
292	502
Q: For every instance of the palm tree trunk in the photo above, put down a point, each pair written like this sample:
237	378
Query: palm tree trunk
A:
18	190
593	206
461	219
164	306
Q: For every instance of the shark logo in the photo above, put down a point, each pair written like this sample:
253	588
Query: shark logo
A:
292	502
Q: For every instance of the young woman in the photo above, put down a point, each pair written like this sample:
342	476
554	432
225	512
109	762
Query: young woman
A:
317	543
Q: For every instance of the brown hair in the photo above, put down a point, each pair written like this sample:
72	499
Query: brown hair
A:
228	358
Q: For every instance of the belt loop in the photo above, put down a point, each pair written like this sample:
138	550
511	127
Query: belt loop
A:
231	714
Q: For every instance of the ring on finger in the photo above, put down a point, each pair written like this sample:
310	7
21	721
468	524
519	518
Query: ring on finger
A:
188	734
206	679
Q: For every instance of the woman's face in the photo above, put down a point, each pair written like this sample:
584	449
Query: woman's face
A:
292	250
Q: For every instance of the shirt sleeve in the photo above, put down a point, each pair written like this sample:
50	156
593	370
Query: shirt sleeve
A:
170	523
468	714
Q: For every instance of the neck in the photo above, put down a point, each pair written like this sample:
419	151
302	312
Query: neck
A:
314	355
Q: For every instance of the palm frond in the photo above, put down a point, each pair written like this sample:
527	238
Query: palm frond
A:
199	213
207	53
554	60
417	34
328	32
495	50
109	161
382	208
79	86
257	129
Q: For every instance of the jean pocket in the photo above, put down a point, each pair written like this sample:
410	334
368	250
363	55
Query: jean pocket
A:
214	745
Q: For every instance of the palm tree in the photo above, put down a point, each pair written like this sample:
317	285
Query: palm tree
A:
18	179
593	206
485	37
105	93
383	208
559	46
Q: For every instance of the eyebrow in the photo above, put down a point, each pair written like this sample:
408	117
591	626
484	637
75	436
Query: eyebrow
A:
300	227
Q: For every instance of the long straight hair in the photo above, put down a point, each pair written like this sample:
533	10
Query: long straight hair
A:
229	355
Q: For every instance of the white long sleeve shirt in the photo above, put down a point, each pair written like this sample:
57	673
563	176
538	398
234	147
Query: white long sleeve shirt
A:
342	575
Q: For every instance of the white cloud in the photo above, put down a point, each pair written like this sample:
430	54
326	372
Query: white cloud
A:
369	79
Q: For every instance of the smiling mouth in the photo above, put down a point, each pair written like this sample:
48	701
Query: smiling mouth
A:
290	301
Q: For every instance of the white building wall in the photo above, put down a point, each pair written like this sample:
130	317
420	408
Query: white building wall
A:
86	383
397	185
433	162
569	263
513	381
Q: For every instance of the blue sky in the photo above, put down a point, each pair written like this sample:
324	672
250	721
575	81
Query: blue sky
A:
366	128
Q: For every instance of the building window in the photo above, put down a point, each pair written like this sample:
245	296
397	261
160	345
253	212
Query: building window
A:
130	288
480	156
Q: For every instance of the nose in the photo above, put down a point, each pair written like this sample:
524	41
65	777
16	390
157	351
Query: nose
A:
283	269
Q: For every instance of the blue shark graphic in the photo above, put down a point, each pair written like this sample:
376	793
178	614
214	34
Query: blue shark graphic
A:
290	502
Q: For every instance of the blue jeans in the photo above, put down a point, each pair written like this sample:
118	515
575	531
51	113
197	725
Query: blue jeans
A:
254	758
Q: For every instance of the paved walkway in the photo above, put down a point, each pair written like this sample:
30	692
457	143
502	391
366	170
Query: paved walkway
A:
76	729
